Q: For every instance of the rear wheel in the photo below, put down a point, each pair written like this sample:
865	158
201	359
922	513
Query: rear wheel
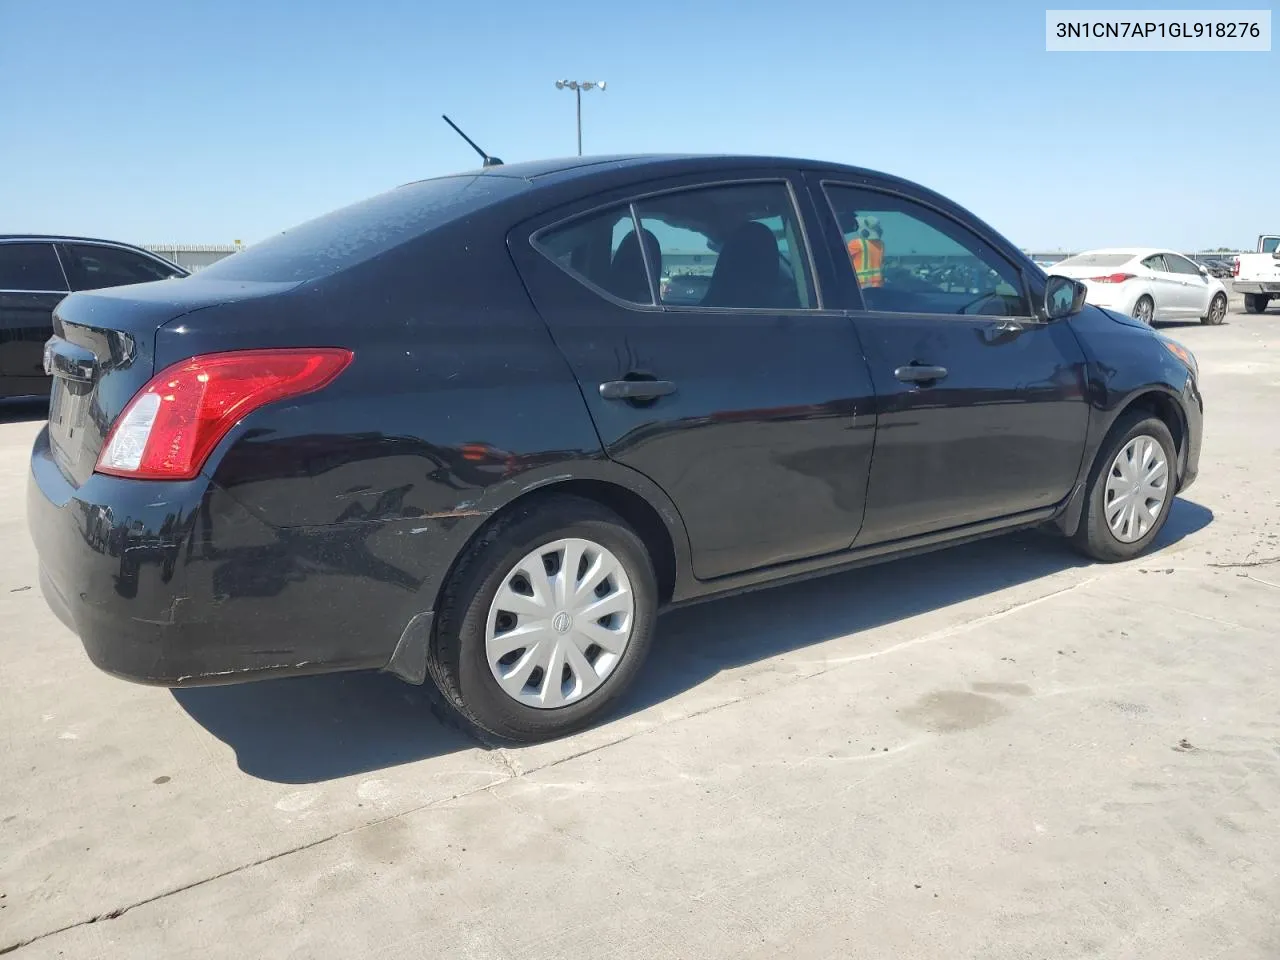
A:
546	620
1131	490
1145	310
1217	310
1256	302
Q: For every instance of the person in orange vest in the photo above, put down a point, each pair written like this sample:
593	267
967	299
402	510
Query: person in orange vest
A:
866	250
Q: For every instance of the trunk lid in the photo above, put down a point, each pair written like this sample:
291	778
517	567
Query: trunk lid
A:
1080	273
1086	271
102	352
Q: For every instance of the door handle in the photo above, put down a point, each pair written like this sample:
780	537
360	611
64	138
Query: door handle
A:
636	389
920	373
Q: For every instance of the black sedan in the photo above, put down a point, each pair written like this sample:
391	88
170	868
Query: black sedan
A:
455	432
36	272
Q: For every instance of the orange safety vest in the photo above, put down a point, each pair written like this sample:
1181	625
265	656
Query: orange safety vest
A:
868	261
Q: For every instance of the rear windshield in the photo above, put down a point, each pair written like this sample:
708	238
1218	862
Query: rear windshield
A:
363	230
1095	260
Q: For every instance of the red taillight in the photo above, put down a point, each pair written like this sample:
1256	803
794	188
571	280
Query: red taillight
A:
172	425
1113	278
1235	267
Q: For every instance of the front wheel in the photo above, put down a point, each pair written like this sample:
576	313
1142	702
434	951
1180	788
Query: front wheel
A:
1145	310
1217	310
546	620
1131	490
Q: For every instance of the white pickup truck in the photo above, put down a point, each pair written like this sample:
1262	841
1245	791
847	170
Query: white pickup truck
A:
1257	275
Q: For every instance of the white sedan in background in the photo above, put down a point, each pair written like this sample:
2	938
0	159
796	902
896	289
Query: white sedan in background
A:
1147	283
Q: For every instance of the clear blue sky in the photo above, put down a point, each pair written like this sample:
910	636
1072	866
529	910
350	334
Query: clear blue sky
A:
212	120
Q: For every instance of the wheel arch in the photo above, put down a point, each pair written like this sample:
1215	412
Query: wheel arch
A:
1162	404
639	502
638	513
1159	401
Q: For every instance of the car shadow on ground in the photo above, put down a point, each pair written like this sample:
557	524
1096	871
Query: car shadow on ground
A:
698	642
23	411
312	729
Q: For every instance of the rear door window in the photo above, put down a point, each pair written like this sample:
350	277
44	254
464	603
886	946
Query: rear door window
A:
1156	263
603	251
737	246
31	267
93	266
733	246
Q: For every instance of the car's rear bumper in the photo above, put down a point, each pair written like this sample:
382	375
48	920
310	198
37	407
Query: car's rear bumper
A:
1110	296
1256	286
177	584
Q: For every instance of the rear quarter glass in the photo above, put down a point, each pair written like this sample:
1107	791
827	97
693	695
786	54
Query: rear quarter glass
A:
361	231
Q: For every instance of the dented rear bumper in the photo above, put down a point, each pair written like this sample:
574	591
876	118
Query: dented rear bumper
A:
178	584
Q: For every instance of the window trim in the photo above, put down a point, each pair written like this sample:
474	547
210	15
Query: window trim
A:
654	282
1035	316
786	179
36	241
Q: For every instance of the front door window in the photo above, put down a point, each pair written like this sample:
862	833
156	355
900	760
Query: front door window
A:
910	259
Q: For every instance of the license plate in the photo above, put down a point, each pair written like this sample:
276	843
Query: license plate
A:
66	417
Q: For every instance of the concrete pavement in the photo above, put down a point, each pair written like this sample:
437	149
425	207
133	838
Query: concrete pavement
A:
997	751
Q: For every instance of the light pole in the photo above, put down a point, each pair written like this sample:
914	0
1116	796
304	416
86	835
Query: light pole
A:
577	86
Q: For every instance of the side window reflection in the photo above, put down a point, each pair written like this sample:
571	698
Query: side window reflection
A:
909	259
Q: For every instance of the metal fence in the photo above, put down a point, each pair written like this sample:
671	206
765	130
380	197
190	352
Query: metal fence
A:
194	256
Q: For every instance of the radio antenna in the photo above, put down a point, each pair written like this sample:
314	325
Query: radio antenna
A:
488	160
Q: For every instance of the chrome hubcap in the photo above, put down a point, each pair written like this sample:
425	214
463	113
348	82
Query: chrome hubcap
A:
1137	487
1144	311
1219	308
560	623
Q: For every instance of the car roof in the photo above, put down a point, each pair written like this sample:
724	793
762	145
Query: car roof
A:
563	169
586	175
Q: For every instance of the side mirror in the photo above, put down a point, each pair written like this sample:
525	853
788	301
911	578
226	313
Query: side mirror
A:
1204	271
1063	297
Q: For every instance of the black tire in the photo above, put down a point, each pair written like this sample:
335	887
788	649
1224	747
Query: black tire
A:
1217	310
457	659
1093	537
1256	302
1150	318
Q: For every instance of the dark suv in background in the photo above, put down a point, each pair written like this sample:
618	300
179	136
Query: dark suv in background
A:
36	272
